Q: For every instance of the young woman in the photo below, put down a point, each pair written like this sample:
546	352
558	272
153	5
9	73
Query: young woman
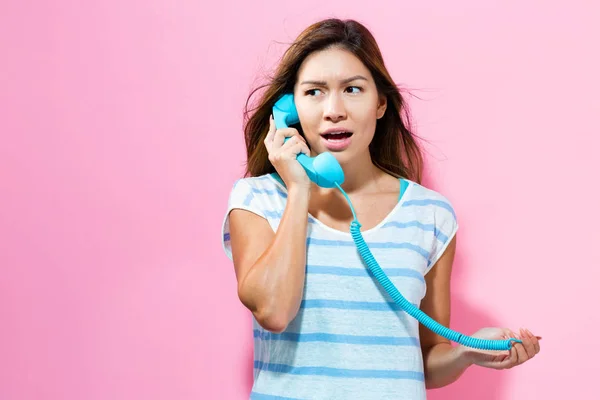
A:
323	326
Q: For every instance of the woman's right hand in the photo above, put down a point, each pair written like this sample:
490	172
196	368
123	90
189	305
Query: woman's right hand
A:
283	155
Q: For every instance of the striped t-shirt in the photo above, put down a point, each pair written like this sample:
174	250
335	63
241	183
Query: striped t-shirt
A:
349	340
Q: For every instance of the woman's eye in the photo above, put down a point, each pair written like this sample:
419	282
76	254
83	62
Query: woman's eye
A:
312	92
354	89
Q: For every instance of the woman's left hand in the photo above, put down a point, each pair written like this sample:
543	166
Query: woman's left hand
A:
518	354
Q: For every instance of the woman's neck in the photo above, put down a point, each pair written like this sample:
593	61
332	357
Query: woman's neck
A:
360	176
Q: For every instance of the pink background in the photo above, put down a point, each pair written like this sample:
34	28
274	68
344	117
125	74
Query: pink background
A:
121	137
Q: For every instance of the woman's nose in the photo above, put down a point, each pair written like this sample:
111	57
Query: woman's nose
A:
334	109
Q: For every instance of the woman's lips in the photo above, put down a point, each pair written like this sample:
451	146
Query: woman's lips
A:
337	141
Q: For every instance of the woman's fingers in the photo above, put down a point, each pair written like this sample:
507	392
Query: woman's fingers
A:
284	143
534	340
527	343
270	134
520	350
289	150
282	134
303	148
295	145
509	334
512	359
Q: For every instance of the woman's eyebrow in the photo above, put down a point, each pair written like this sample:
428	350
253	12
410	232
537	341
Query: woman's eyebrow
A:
343	82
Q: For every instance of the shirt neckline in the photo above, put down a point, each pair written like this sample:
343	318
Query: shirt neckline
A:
366	232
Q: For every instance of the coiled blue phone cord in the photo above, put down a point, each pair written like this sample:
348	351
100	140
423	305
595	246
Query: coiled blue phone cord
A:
285	114
413	311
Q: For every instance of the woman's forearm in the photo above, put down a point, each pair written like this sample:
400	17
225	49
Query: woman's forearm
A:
273	287
444	364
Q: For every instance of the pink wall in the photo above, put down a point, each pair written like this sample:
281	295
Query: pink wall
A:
121	137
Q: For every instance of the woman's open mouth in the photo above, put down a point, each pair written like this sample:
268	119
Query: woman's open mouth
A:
337	141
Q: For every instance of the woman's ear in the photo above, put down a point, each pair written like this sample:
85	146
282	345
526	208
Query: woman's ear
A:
382	106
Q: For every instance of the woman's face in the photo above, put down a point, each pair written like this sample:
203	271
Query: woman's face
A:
337	103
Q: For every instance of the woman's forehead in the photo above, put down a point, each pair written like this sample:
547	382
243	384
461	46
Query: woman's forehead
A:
332	65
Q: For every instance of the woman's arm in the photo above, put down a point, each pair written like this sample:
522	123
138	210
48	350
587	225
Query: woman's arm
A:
443	363
270	267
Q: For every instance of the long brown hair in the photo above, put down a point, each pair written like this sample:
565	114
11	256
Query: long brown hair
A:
393	149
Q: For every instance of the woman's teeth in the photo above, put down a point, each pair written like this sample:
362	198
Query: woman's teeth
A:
337	136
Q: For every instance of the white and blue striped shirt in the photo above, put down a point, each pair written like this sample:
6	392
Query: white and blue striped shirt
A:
349	339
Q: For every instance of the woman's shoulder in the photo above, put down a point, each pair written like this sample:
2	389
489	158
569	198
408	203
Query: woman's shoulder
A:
421	195
420	191
263	190
261	183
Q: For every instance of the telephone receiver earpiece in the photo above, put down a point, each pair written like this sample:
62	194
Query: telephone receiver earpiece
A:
324	169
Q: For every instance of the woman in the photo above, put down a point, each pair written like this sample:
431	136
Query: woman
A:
323	327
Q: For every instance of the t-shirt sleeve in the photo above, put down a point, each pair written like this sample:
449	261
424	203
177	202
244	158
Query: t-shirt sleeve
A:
445	228
242	196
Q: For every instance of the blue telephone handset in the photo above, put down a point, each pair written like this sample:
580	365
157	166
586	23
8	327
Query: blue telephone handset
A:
325	171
